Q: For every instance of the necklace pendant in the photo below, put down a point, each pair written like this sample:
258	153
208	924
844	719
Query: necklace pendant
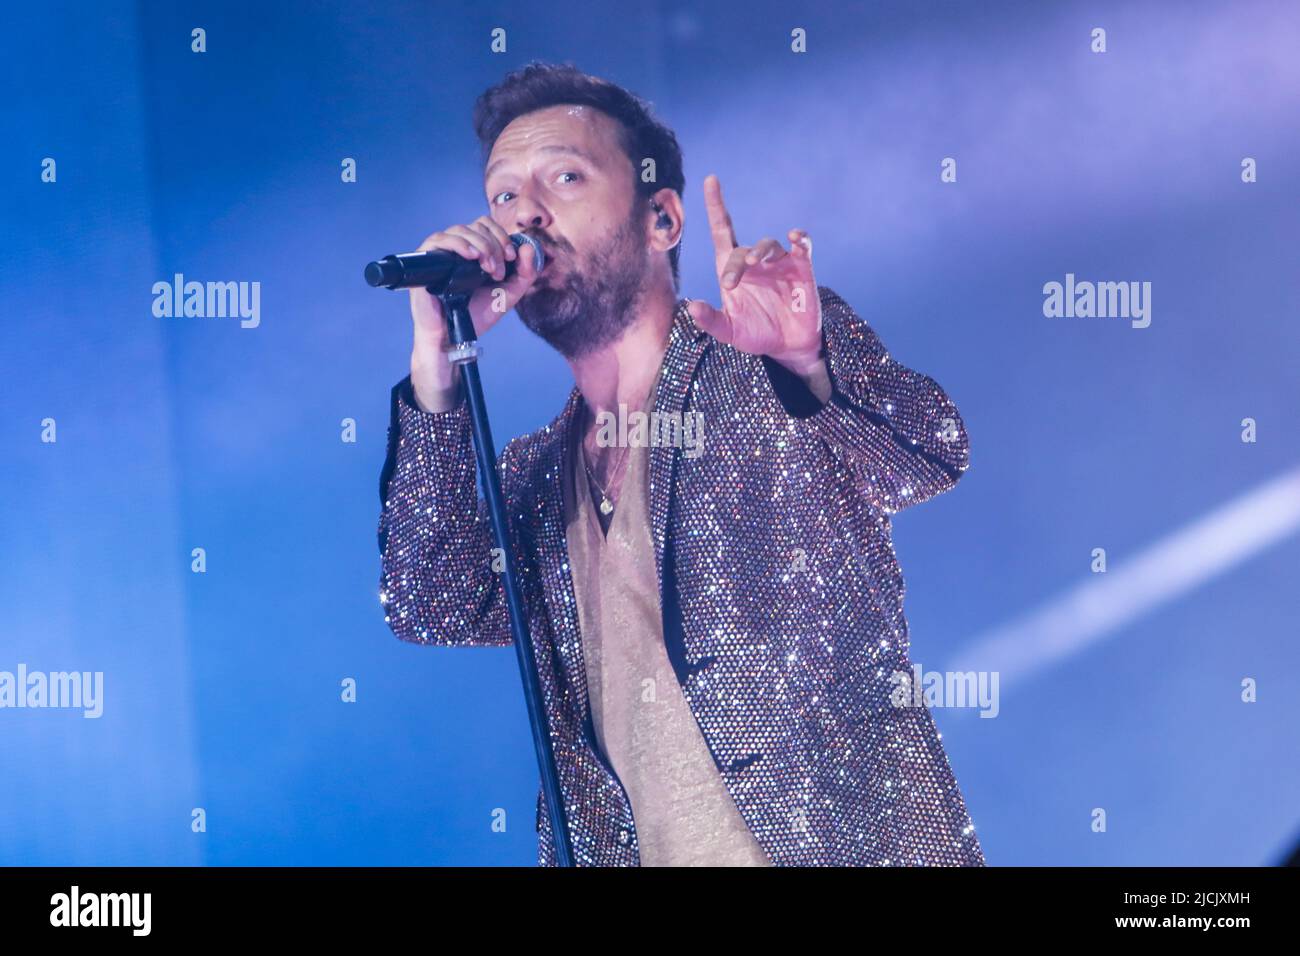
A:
605	506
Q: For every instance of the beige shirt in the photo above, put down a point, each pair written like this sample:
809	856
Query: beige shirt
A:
682	811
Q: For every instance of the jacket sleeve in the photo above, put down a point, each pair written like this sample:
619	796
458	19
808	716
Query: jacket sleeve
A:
895	429
437	584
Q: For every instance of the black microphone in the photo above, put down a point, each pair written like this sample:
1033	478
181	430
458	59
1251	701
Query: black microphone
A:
441	271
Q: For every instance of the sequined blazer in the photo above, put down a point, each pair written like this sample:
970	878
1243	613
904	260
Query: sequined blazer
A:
782	596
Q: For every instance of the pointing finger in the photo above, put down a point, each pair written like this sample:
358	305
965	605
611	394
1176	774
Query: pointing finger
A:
724	236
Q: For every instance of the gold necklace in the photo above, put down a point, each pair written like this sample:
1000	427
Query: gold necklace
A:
606	506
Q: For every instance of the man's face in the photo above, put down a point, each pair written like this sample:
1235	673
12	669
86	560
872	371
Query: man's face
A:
560	175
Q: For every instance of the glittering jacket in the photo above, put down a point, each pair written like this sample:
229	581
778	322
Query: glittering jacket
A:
781	592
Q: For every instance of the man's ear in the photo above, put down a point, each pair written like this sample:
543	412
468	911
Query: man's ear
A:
668	217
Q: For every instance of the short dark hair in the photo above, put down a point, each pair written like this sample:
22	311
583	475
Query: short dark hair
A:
540	85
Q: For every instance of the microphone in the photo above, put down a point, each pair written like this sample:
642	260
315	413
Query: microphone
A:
441	271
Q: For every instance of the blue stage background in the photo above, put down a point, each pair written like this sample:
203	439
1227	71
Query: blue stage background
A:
222	689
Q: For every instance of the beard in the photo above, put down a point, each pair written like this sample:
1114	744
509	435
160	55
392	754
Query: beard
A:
593	304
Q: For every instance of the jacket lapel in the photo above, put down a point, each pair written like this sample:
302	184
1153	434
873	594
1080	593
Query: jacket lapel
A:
686	344
553	554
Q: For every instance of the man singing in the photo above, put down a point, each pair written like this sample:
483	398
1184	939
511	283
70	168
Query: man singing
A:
718	634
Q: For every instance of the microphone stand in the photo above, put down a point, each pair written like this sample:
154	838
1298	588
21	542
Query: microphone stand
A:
455	307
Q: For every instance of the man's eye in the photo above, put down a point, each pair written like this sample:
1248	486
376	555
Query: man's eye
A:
499	198
576	177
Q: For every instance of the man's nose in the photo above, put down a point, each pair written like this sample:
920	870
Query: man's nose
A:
530	214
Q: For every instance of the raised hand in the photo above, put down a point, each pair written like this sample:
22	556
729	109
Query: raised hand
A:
770	304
